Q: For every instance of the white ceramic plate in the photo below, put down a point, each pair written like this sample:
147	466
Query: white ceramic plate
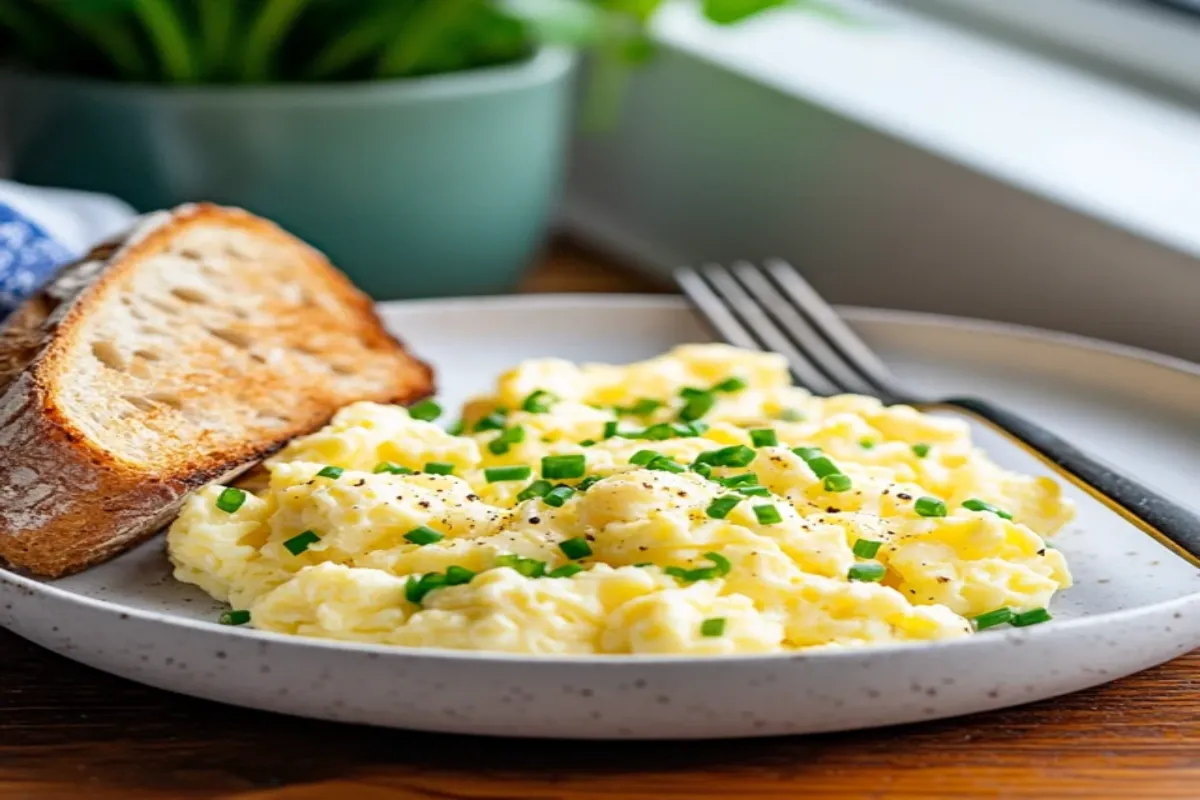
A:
1135	604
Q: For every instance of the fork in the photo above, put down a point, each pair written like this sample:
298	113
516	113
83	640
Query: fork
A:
771	307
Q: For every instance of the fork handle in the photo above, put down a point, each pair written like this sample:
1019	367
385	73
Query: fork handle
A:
1163	517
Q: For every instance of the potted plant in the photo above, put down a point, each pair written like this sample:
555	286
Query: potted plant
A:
418	142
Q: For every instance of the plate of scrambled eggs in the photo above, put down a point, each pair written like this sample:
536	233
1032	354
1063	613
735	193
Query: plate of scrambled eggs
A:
616	532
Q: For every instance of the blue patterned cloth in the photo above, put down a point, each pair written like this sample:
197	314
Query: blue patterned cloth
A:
28	256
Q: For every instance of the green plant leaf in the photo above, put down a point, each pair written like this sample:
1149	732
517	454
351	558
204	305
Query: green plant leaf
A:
169	37
266	37
726	12
429	22
217	21
364	39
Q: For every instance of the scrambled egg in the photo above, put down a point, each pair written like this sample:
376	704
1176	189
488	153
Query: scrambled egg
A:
694	503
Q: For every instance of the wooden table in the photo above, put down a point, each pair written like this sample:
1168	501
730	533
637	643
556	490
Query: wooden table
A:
67	731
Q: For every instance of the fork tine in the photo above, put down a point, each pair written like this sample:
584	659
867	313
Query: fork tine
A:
798	330
736	305
839	336
713	309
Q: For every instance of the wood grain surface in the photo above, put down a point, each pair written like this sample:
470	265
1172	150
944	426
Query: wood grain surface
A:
67	731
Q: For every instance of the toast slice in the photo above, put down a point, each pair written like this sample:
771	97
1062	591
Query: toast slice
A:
182	354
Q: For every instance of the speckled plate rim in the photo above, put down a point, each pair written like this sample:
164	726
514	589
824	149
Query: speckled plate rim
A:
612	302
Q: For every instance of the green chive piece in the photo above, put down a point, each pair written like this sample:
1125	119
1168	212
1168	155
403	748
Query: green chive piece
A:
301	542
867	571
508	437
720	567
688	430
457	576
588	482
492	422
230	499
1034	617
730	385
838	483
565	571
677	572
391	468
697	406
866	548
538	488
456	428
644	457
930	507
822	467
703	470
993	618
439	468
920	450
518	472
768	515
866	444
539	401
529	567
416	588
657	433
742	479
764	437
557	496
424	535
720	508
666	464
688	392
239	617
714	626
737	455
610	429
975	504
645	407
332	473
644	564
807	453
754	491
426	411
587	443
575	548
559	467
789	415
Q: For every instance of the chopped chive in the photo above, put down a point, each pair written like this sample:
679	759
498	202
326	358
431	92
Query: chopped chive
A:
644	407
657	433
644	564
539	401
822	467
730	385
424	535
439	468
538	488
230	499
529	567
457	576
975	504
930	507
239	617
301	542
492	422
426	411
838	483
867	571
557	496
456	428
587	442
767	515
764	437
807	453
742	479
789	415
565	571
921	450
737	455
518	472
416	588
610	429
391	468
332	473
714	626
666	464
508	437
866	548
688	392
720	567
689	429
588	482
677	572
696	407
866	444
1034	617
559	467
993	618
575	548
720	508
703	470
754	491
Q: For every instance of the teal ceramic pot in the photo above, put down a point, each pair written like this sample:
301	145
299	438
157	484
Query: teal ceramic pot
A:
440	185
